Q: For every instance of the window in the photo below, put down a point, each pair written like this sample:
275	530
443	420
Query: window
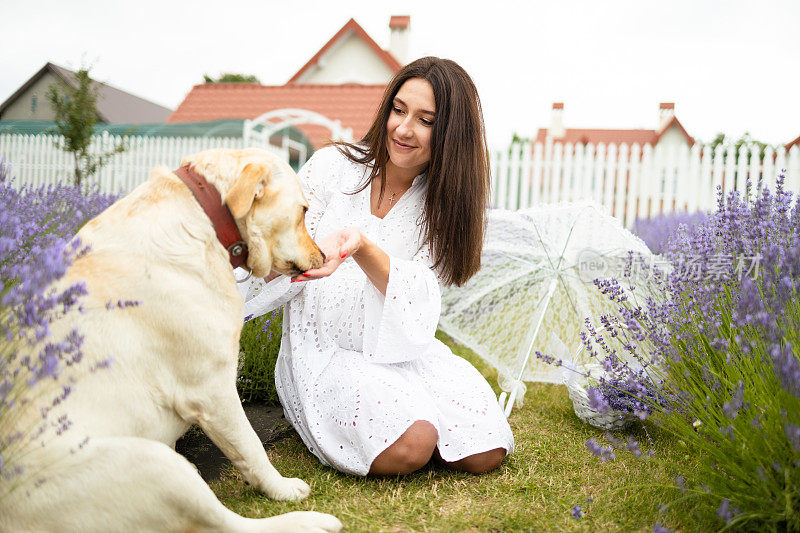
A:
33	103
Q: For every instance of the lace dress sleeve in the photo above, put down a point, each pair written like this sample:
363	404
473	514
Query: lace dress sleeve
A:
261	297
401	325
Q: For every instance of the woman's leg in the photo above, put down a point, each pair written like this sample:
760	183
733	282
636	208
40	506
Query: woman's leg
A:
410	452
479	463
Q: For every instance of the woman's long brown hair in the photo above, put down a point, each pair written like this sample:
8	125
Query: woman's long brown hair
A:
454	218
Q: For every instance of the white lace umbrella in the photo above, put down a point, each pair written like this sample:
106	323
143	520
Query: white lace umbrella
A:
535	288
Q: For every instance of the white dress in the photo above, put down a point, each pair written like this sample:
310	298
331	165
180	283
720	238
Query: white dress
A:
357	368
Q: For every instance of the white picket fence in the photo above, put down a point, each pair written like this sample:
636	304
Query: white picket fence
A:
630	180
37	159
633	181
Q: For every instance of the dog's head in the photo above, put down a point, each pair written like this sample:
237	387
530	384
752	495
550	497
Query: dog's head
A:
268	205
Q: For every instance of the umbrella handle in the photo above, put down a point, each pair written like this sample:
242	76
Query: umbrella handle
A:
507	400
502	401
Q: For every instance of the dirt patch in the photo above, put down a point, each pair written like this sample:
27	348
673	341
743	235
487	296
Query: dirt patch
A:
267	421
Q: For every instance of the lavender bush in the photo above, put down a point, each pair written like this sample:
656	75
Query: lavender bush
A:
37	226
712	357
656	231
258	352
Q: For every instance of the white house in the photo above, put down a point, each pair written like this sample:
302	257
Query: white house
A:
352	56
669	131
343	81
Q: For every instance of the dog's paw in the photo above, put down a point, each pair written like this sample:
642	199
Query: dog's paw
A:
304	521
287	489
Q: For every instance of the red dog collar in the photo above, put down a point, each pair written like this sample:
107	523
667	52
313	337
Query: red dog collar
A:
210	200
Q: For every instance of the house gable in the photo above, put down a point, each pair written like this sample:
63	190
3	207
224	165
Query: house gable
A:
114	106
31	102
350	56
673	132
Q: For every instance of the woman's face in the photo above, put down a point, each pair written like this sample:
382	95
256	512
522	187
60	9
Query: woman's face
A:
410	124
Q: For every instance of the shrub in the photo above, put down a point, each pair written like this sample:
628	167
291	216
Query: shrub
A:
36	248
657	231
258	352
715	358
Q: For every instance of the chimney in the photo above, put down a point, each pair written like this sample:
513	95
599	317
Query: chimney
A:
666	110
557	130
398	38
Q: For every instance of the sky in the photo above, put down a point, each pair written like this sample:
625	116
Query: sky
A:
729	66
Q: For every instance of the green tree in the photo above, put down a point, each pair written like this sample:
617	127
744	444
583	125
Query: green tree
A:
76	116
231	78
721	138
517	139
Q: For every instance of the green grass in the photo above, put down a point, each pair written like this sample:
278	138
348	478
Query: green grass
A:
259	344
534	489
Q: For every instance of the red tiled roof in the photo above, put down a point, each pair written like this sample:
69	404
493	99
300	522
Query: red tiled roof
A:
351	26
795	142
666	105
353	105
585	136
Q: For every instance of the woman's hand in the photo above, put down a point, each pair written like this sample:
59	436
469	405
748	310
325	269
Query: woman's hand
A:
337	247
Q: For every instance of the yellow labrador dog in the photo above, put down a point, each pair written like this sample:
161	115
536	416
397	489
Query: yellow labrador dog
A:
174	358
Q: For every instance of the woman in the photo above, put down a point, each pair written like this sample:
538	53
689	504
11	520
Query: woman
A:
360	375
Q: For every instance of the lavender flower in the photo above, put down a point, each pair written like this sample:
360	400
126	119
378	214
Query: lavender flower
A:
605	453
724	509
633	446
656	231
576	512
680	482
549	359
731	408
787	367
793	435
597	401
37	226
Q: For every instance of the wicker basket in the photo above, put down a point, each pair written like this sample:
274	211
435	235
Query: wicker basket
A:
610	420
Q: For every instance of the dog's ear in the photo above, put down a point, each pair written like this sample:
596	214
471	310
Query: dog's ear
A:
250	186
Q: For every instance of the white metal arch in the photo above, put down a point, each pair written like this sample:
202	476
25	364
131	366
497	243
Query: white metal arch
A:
262	128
